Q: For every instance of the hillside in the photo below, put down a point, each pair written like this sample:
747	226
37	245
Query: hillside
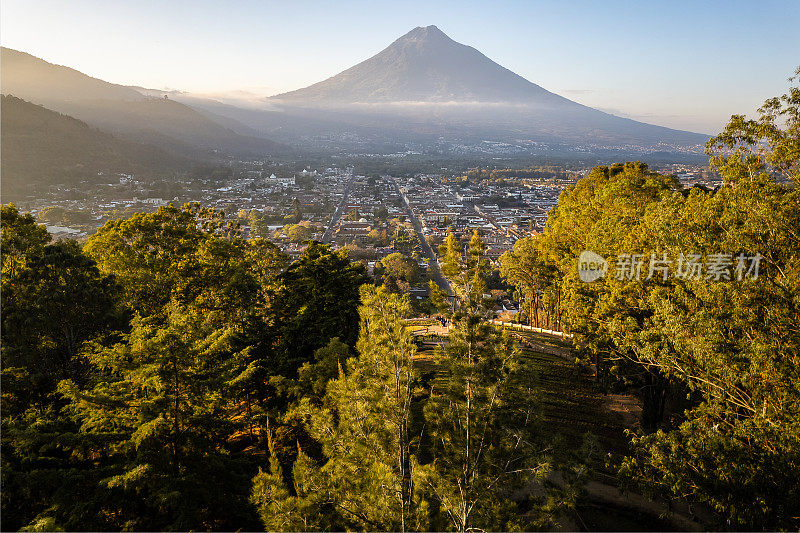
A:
171	124
37	80
125	111
42	147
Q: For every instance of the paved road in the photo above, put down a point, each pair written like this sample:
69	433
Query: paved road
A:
433	261
326	237
480	212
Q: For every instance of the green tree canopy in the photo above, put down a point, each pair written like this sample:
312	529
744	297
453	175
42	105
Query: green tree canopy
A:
315	300
734	344
364	426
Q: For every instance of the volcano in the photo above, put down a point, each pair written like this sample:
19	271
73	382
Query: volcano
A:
425	65
426	82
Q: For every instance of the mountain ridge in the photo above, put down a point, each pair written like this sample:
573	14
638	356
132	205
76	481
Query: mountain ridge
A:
123	110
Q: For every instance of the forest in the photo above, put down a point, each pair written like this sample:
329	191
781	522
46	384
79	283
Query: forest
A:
172	375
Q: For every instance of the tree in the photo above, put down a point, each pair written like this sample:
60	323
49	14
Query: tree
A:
450	254
603	213
315	299
482	418
466	272
308	507
398	272
158	415
55	304
481	412
477	266
297	213
143	417
299	232
746	148
404	241
54	300
527	269
328	362
377	238
381	213
22	239
364	426
153	255
734	344
258	223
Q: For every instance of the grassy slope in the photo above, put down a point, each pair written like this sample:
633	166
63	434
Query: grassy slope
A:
572	407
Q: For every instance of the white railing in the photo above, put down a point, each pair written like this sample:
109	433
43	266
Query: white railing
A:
531	328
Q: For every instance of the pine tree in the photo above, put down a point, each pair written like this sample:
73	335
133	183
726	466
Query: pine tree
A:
365	428
151	424
451	257
481	410
158	412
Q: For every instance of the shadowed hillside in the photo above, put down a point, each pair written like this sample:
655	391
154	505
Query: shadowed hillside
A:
40	147
125	111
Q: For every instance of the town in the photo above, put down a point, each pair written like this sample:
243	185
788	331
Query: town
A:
392	224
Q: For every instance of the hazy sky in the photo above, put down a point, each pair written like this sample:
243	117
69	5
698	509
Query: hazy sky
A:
688	65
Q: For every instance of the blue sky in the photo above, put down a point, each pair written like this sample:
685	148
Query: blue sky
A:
688	65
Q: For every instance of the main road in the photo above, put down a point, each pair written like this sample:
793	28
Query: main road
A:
326	237
433	260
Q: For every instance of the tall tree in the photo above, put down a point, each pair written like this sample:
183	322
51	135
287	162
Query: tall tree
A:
481	411
58	301
527	268
734	343
365	428
55	302
154	413
604	213
158	414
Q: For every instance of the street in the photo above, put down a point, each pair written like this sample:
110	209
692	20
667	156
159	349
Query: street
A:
433	260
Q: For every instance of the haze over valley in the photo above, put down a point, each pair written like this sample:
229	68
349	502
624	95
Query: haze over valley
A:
424	93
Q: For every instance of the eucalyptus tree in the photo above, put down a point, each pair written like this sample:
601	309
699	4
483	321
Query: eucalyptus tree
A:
735	342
